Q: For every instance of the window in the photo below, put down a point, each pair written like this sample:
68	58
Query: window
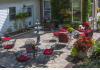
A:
29	10
12	13
47	5
47	10
76	10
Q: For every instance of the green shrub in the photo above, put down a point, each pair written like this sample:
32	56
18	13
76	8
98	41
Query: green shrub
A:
74	52
97	47
76	25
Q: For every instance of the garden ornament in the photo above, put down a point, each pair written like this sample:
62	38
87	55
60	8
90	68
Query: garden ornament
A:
37	28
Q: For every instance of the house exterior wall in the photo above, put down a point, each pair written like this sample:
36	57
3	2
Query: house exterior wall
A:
5	23
47	9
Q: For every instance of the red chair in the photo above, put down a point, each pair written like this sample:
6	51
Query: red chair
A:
63	38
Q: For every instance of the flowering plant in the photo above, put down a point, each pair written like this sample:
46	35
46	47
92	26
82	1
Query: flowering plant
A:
84	43
86	24
70	29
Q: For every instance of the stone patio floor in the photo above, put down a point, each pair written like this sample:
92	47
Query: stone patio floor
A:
7	59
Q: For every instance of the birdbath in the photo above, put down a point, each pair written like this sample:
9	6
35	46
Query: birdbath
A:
37	32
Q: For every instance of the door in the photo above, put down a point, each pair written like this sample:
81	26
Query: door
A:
30	11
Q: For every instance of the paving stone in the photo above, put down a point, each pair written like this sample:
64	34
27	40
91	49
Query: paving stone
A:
8	59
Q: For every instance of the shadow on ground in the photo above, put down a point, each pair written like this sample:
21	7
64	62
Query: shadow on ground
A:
8	59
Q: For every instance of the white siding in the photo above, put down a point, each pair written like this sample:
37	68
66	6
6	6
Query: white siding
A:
5	23
3	20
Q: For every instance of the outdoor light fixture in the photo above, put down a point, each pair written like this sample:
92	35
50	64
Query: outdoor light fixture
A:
24	6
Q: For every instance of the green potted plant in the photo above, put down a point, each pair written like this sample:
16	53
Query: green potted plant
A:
96	51
81	47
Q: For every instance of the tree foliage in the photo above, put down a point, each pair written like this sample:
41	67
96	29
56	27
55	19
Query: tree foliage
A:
86	9
60	9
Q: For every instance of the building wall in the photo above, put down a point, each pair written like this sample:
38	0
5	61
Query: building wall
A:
5	23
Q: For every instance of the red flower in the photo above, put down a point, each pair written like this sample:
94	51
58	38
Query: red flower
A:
86	24
23	58
89	45
82	35
48	52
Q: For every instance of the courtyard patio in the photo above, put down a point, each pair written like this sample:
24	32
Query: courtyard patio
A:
47	40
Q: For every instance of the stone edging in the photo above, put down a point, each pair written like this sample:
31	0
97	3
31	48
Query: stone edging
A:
21	33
